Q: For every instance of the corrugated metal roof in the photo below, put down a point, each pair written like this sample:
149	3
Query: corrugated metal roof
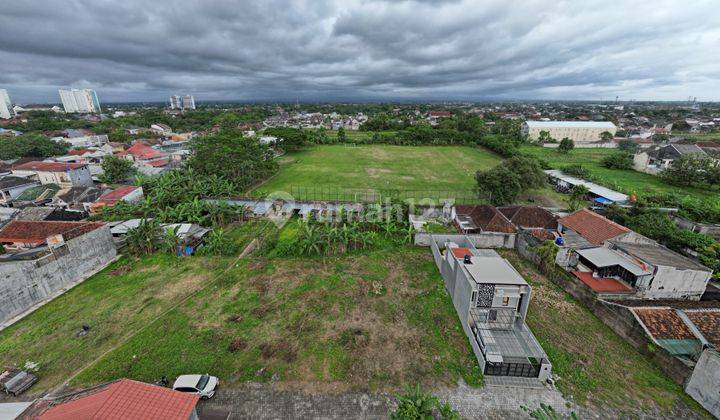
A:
604	257
594	188
494	270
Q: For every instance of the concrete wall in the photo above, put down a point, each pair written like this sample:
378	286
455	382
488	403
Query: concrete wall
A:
704	384
479	240
24	284
671	283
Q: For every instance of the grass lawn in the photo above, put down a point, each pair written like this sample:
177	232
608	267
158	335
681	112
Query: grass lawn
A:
382	167
378	321
627	181
593	363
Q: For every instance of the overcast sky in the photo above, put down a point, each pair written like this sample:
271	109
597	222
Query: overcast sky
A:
132	50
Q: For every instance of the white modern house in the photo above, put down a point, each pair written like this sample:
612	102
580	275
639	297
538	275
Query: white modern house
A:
491	299
578	131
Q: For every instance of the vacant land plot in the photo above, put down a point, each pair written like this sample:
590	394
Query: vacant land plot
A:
627	181
114	303
379	321
382	167
594	365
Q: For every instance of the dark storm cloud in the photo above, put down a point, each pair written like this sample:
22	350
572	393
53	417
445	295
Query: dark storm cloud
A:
327	50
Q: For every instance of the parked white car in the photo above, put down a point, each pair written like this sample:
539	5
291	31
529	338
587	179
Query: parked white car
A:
203	385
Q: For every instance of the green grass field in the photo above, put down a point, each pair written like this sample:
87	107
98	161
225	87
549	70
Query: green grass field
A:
627	181
382	167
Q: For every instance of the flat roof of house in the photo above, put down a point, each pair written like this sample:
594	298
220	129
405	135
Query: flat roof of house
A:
594	188
494	270
592	226
125	399
570	124
602	284
659	255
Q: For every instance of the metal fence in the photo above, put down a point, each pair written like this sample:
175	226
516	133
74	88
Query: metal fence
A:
357	195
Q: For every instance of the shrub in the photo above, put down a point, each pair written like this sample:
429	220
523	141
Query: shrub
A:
418	405
566	145
618	160
576	170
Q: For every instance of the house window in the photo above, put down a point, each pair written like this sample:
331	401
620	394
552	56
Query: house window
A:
492	315
506	301
474	296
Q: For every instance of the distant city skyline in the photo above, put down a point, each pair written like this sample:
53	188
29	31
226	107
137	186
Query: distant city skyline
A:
354	50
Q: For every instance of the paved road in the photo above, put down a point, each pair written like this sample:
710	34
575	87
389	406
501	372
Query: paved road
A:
258	401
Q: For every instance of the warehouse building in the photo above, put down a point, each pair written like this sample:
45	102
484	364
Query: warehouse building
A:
578	131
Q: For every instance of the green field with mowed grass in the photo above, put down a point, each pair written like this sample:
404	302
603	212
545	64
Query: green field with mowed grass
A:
381	167
626	181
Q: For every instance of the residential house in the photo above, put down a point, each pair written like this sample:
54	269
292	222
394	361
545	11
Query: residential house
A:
82	138
623	261
78	198
709	147
37	195
66	175
481	218
12	186
593	227
530	217
122	399
161	129
127	193
25	234
492	299
658	159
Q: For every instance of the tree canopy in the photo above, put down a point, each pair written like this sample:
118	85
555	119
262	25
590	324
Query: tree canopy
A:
31	145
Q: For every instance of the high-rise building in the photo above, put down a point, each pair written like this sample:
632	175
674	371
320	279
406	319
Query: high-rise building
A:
79	100
188	102
182	102
175	102
6	109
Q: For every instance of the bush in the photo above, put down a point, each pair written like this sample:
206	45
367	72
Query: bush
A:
576	170
504	183
618	160
418	405
566	145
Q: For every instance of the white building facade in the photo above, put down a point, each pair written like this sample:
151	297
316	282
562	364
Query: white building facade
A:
578	131
79	101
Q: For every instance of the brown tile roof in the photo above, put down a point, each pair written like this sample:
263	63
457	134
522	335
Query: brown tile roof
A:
488	218
48	166
36	232
591	226
708	322
529	217
664	323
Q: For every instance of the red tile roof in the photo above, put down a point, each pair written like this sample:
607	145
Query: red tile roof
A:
78	152
36	232
48	166
708	322
664	323
602	285
126	399
591	226
460	253
530	217
440	114
487	218
116	195
142	151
